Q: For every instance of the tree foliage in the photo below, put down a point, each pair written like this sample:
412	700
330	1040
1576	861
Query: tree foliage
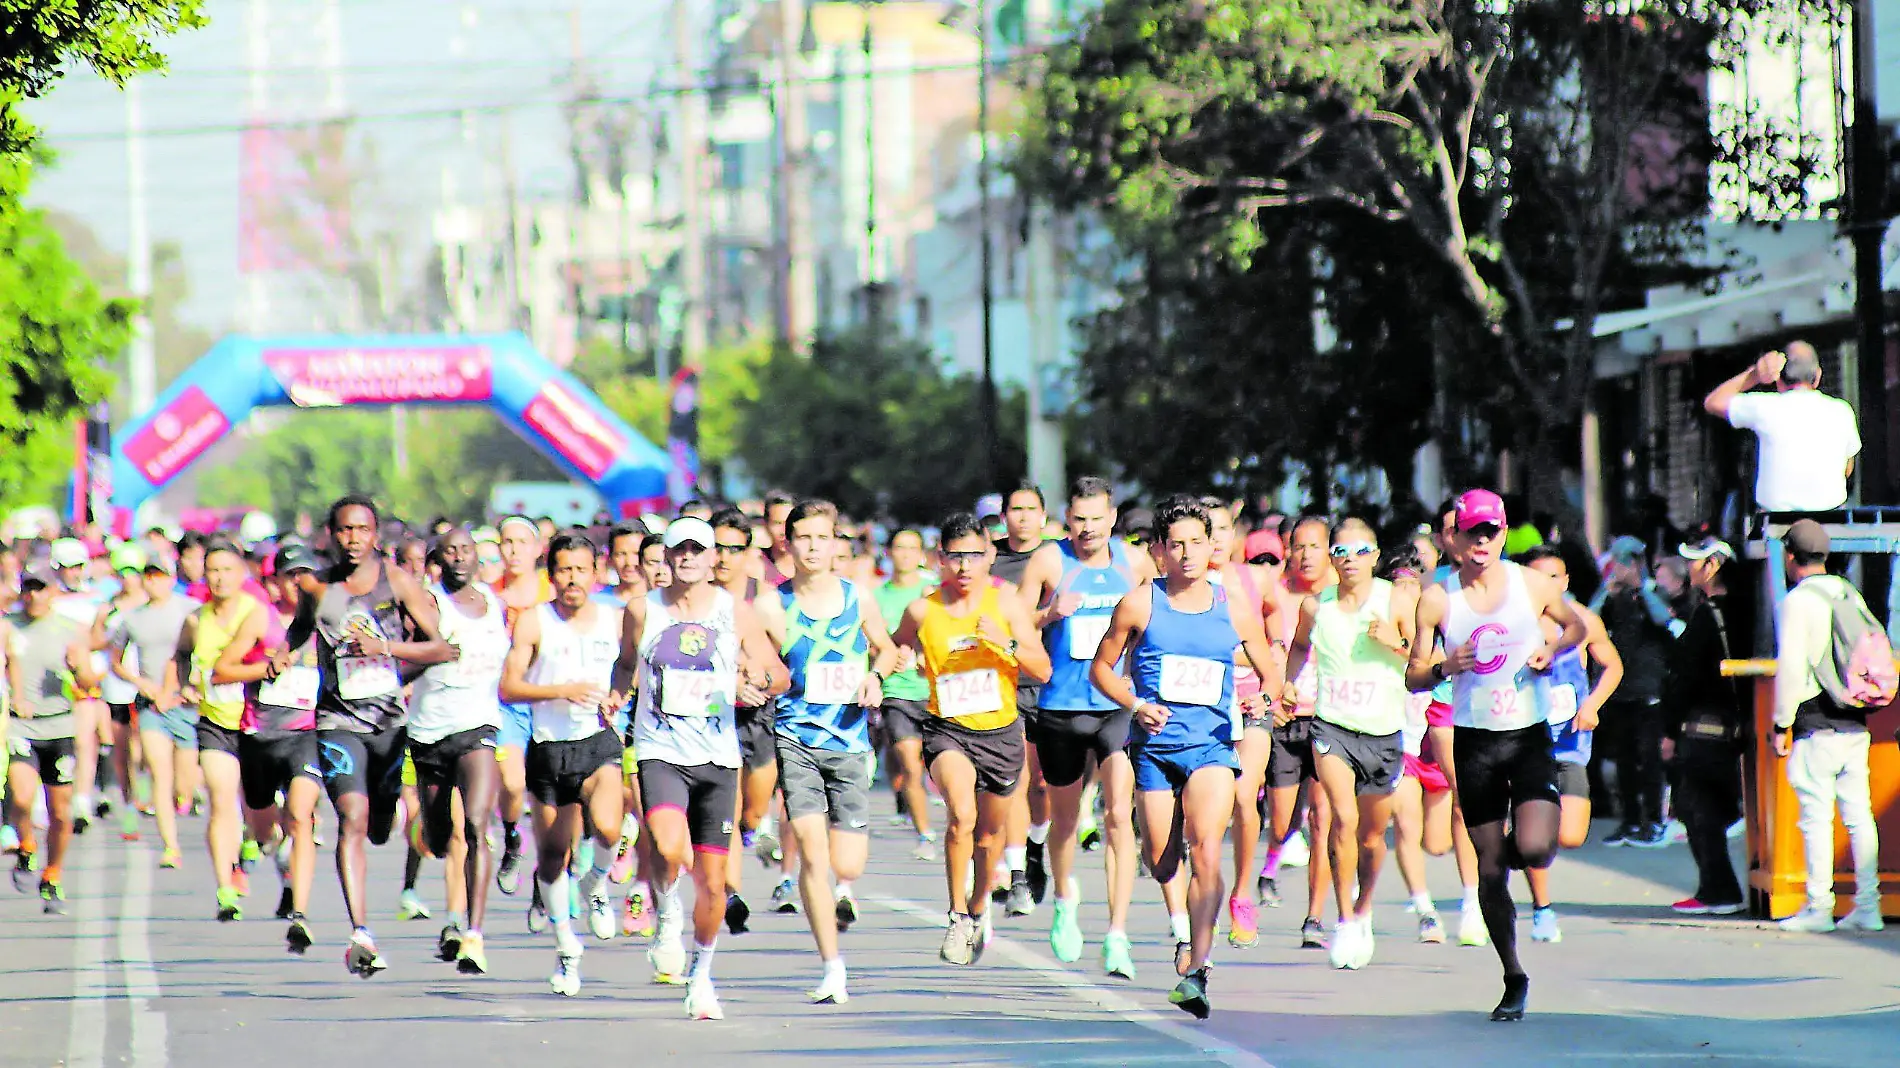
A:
728	386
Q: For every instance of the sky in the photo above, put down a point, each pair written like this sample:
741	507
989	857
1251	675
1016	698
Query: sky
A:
408	67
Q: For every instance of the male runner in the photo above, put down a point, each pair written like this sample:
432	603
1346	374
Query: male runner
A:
77	599
369	619
53	656
1182	638
833	639
906	694
219	698
623	553
118	691
561	663
1357	634
734	560
168	735
1024	517
1489	615
653	566
976	642
1078	582
693	652
523	586
1292	775
776	565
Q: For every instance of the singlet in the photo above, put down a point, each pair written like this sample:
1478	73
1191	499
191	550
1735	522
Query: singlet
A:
220	703
971	683
1246	679
1072	642
570	652
461	695
45	677
1361	683
1412	738
1496	694
689	678
1185	661
113	689
543	592
286	704
359	693
1009	566
892	602
1560	688
150	633
828	659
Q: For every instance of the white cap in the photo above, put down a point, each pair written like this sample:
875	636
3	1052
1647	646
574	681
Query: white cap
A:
655	524
71	552
681	531
256	527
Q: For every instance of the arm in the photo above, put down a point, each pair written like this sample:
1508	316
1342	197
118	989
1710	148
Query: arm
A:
514	670
1130	618
1422	670
179	679
1031	658
758	652
1760	373
421	609
1557	609
1599	648
1802	618
883	653
304	623
1253	643
115	663
16	681
79	660
230	666
1298	650
1040	577
627	665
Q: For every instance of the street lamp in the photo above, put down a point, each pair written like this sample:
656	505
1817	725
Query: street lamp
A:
993	461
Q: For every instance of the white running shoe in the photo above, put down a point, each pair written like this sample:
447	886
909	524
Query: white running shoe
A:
1471	930
411	907
1344	951
668	958
566	980
1810	921
282	857
1295	853
1544	927
1863	918
702	1002
600	915
1365	943
831	990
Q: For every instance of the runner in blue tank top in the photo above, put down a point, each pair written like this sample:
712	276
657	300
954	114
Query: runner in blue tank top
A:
1182	633
1073	586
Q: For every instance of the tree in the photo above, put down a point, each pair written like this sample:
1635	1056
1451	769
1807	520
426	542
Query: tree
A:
728	387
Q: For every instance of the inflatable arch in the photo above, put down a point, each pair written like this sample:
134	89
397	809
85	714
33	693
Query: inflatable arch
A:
503	371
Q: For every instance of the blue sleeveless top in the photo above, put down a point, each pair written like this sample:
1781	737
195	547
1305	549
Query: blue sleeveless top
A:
1071	642
1560	689
1185	661
828	659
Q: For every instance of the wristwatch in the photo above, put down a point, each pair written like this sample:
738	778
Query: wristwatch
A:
1438	671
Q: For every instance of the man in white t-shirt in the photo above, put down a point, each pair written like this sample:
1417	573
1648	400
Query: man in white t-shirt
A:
1808	439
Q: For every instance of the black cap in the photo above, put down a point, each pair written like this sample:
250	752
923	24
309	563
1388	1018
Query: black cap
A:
33	580
293	556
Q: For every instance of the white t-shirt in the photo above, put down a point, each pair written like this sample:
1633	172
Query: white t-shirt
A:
1807	439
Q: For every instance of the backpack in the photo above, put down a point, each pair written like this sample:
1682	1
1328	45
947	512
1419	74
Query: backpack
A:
1859	672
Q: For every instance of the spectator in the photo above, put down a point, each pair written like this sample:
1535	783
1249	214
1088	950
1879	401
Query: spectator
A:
1641	627
1704	732
1825	742
1808	439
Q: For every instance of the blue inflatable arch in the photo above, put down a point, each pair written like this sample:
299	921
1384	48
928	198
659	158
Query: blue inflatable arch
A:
503	371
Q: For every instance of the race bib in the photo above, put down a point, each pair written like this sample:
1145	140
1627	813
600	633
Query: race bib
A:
1191	680
1562	703
1501	703
1352	697
359	678
476	666
834	682
220	694
688	693
969	693
1085	635
295	688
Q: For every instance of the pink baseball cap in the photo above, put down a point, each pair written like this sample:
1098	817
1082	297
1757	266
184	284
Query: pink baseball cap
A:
1477	507
1263	541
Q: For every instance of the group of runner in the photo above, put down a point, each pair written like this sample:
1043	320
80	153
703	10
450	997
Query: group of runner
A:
696	687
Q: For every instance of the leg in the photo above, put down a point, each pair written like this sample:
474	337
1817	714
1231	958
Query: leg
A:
123	739
1408	818
160	763
1813	774
300	801
478	779
1863	835
1337	779
1319	832
909	771
59	830
352	860
1256	746
86	717
993	813
1207	806
223	830
1375	813
955	777
814	882
1064	805
1118	832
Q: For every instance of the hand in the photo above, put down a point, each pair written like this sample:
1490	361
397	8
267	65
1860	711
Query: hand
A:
1587	718
1784	742
991	632
188	694
582	693
1460	660
1065	606
455	653
1285	713
1668	746
750	691
1290	697
1386	633
1151	716
22	710
906	659
1541	658
1768	368
870	691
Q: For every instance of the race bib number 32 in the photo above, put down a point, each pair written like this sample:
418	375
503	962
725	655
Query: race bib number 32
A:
1191	680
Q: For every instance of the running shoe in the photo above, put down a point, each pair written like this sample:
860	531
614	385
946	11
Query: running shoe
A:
847	911
1366	943
448	944
600	915
983	935
537	912
412	907
566	980
23	878
1622	835
1471	929
1020	902
637	919
1065	932
622	869
959	940
52	898
1344	952
128	826
1650	837
297	936
286	904
1243	928
169	859
1035	871
229	905
249	854
470	960
103	808
831	990
1190	994
361	958
1517	991
1089	836
281	857
1809	921
1312	934
1863	918
765	846
1674	833
1296	852
240	881
1267	892
702	1002
785	896
1544	926
1116	960
737	914
82	822
926	848
668	959
1431	930
508	872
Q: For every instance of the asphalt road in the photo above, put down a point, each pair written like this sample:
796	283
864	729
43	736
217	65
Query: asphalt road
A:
140	974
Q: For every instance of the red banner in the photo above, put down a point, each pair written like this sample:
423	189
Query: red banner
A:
177	435
573	429
326	378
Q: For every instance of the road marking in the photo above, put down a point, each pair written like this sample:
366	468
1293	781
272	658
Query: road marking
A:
86	1043
1108	1000
135	954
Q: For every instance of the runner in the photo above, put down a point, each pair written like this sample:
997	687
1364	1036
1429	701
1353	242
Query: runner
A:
52	658
1488	615
776	565
1421	809
734	561
561	663
455	716
1264	550
906	694
692	651
1079	581
523	586
977	644
78	600
118	691
634	860
369	619
1292	776
168	734
1024	517
833	640
653	565
1181	639
1358	634
1573	706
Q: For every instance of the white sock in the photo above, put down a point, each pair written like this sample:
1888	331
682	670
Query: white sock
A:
669	903
834	966
1039	833
1178	924
1471	899
844	888
555	897
702	961
1422	902
1069	890
1015	858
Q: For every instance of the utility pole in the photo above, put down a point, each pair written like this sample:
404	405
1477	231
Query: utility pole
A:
1045	446
993	455
799	300
691	145
1867	183
873	276
138	266
257	62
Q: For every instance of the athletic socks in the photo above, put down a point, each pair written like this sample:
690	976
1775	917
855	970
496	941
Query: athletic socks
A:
1015	858
1039	833
555	898
1178	925
702	961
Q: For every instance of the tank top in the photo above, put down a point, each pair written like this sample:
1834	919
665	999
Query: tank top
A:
828	659
45	679
1559	690
892	602
462	694
1361	683
1185	661
1072	641
972	684
1497	693
113	689
1247	593
359	693
689	677
1412	738
571	652
288	703
220	703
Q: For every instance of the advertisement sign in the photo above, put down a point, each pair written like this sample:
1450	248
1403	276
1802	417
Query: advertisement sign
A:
327	378
176	436
572	429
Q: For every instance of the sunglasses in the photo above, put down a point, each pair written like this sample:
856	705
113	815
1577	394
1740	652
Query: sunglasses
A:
1484	531
1341	552
968	557
729	549
1266	559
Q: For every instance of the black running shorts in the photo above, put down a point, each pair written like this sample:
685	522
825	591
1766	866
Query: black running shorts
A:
558	770
1066	740
1376	760
436	761
1292	760
1500	770
268	763
996	754
706	794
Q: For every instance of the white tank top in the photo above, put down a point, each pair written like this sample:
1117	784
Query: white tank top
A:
571	654
689	678
463	694
1496	694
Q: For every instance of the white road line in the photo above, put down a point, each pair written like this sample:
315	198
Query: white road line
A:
135	954
1111	1001
86	1043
